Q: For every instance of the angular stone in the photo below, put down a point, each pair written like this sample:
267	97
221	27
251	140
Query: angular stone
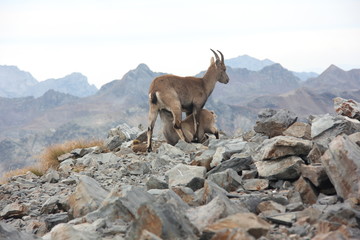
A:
248	222
87	197
307	191
14	210
54	219
232	146
51	176
282	146
171	151
217	208
196	183
235	163
287	168
54	204
182	174
155	183
315	173
248	174
228	179
218	157
138	168
7	232
65	156
285	218
65	231
164	221
185	193
228	234
342	164
209	192
325	128
203	159
315	153
125	132
124	207
299	130
348	108
270	206
169	196
273	122
113	143
255	184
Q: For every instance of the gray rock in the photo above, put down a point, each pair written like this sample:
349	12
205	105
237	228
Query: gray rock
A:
196	183
342	164
51	176
113	143
8	232
155	183
138	168
325	128
287	168
273	122
299	130
228	179
87	197
65	231
348	108
217	208
248	222
54	219
255	184
182	174
171	151
235	163
164	221
14	210
282	146
209	192
307	191
315	173
284	218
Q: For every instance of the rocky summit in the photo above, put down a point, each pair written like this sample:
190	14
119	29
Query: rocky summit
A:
285	180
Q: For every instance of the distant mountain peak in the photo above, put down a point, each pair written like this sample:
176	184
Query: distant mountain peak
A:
333	68
248	62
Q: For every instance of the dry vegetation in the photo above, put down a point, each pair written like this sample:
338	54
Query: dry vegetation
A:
49	157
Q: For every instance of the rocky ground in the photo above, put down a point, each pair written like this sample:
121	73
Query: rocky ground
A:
284	180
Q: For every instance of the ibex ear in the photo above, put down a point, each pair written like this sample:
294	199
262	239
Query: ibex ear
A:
212	60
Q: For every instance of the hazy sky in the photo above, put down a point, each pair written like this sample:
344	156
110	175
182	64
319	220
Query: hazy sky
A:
103	39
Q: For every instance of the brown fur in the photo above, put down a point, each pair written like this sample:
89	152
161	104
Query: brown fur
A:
183	94
206	125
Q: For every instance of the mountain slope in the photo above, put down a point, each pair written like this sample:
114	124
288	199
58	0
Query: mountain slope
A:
75	84
14	82
245	84
335	79
250	63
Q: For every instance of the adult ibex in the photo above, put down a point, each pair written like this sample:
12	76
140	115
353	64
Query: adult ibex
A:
206	125
183	94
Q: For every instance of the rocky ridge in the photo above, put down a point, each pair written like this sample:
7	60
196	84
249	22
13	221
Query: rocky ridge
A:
298	181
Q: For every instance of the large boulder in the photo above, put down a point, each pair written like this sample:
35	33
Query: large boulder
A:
342	164
348	108
274	122
87	197
325	128
282	146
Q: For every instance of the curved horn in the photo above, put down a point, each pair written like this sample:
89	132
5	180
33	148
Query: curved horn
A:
217	57
222	56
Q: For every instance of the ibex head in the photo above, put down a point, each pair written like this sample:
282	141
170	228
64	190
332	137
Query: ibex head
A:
220	67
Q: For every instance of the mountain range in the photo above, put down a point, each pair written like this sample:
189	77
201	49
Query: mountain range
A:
28	124
16	83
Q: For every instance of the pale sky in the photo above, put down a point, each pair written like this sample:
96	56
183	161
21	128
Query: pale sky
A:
104	39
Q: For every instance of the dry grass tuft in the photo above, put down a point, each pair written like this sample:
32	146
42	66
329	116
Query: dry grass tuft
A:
49	157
